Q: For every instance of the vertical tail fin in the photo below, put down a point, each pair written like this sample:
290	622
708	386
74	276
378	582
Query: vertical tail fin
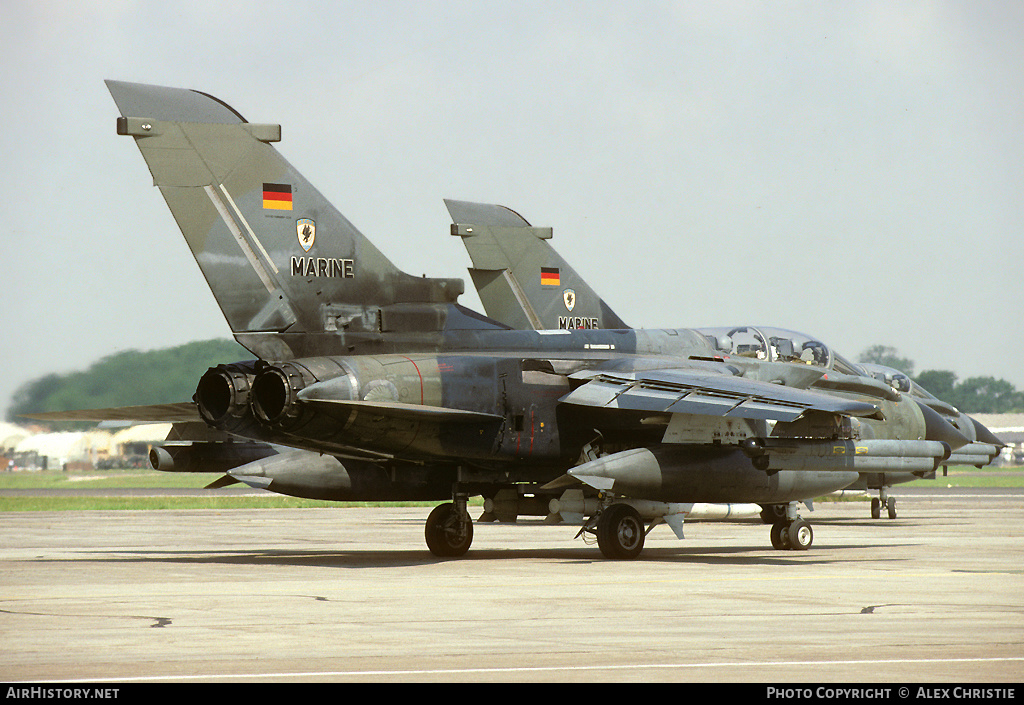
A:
276	254
522	281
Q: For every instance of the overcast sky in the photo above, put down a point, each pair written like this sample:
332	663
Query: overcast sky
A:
853	170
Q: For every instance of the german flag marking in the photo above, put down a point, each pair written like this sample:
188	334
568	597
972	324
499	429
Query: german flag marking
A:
277	197
549	276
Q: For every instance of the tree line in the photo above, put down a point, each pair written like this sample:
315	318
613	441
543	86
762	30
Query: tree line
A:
126	378
974	395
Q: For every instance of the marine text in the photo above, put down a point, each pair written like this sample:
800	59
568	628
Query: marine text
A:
323	267
577	322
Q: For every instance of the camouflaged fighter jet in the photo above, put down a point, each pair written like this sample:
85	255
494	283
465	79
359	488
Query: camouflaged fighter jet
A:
372	384
507	254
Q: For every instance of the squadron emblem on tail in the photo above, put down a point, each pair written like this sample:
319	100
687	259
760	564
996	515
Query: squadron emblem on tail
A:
306	231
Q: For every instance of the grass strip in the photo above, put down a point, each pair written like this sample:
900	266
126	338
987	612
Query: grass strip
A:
969	477
271	501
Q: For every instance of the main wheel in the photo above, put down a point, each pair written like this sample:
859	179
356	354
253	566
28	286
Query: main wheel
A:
620	532
448	533
800	535
876	508
891	506
780	536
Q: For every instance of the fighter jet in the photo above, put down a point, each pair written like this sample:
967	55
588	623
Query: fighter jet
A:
507	252
400	392
984	445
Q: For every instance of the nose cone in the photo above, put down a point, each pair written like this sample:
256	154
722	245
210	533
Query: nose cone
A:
983	435
938	429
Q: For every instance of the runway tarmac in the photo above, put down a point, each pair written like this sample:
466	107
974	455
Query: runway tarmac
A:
350	594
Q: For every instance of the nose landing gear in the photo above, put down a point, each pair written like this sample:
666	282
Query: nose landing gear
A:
883	501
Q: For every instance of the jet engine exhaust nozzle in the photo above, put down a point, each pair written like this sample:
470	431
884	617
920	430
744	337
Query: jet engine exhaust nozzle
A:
274	394
223	393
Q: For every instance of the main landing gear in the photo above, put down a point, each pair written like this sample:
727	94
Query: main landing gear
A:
619	528
449	529
789	531
620	532
796	535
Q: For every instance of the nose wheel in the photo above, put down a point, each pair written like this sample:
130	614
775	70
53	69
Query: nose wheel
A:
886	502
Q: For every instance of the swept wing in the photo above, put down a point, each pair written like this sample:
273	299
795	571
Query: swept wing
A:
675	391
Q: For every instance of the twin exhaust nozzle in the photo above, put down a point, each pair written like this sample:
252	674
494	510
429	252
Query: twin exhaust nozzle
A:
241	395
230	395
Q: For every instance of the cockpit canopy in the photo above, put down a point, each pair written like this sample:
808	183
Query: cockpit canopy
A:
896	379
778	345
901	382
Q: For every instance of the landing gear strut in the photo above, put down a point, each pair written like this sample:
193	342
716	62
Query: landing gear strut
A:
449	529
790	532
773	513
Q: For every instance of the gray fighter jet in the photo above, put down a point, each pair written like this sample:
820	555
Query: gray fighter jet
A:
507	253
372	384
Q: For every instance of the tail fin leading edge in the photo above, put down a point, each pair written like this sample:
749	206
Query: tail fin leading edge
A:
276	254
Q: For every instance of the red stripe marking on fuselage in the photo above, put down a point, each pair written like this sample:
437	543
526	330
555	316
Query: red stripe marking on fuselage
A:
420	376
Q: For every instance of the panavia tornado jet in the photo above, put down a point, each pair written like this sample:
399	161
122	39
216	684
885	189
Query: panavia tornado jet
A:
507	254
368	383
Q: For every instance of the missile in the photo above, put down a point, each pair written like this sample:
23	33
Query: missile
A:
573	506
573	502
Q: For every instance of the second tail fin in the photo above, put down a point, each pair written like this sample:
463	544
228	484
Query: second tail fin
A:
522	281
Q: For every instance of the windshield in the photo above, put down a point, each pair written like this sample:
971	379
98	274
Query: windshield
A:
896	379
777	345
